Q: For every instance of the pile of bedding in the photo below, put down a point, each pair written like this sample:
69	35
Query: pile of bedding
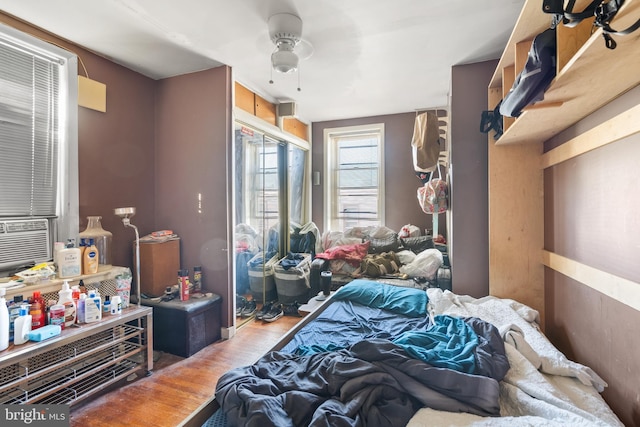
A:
381	355
374	376
542	388
380	252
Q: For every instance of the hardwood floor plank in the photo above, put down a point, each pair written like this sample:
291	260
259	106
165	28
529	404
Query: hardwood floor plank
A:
179	386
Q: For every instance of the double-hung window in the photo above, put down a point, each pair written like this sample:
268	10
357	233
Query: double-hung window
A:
38	132
354	176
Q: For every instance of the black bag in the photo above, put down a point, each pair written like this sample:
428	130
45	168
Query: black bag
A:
567	16
379	245
533	80
490	120
604	14
417	244
603	10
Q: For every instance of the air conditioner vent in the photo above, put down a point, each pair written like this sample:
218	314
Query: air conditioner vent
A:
23	242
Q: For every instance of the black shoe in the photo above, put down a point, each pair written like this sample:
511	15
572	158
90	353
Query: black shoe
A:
249	309
240	303
265	309
274	314
291	309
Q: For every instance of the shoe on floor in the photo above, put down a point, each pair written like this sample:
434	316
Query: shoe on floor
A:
240	303
291	309
265	309
249	309
274	314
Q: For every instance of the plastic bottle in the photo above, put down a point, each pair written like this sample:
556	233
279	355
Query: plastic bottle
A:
106	305
22	325
37	311
4	321
197	279
69	261
90	258
101	237
56	315
57	246
92	308
75	296
83	245
65	299
14	312
116	305
47	311
80	309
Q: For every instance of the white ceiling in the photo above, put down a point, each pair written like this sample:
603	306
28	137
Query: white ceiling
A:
370	57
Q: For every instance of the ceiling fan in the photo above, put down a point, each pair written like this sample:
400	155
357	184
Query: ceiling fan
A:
285	31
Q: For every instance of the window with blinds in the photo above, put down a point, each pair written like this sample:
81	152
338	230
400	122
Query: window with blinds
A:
38	131
354	174
29	132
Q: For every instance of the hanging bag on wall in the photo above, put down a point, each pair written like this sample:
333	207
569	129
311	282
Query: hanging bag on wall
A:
604	13
425	144
433	196
603	10
533	80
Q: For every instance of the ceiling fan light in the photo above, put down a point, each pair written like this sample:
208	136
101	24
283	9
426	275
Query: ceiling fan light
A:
284	61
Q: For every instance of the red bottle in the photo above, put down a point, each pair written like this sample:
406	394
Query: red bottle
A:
37	310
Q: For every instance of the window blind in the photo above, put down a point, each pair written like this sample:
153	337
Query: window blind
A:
29	130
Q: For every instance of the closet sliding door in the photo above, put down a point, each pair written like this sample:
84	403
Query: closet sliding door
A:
271	197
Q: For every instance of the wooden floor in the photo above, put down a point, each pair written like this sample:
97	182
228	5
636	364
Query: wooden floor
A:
179	387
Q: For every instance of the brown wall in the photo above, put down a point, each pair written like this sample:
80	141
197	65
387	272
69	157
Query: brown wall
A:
159	145
193	125
115	155
115	149
469	240
401	183
591	216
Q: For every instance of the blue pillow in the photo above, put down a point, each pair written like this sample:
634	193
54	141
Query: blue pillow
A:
408	301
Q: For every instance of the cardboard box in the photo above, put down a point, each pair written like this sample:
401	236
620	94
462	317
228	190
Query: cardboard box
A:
159	265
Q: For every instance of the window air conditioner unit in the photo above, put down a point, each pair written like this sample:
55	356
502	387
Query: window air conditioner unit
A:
24	241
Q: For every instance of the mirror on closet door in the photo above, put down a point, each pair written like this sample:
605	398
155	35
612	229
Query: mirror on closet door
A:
270	192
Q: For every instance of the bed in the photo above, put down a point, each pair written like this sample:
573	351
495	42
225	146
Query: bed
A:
384	355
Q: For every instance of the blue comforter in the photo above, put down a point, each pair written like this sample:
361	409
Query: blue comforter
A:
376	372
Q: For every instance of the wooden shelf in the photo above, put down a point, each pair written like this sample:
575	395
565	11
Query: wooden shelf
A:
531	22
53	285
593	76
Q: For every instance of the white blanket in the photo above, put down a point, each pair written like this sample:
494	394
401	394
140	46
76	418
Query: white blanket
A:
542	388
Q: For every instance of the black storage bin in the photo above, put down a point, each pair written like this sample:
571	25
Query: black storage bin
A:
185	327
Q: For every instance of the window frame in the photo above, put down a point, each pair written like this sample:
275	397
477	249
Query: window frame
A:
65	224
330	136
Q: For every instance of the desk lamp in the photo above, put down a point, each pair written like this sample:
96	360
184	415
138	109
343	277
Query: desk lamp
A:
126	214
